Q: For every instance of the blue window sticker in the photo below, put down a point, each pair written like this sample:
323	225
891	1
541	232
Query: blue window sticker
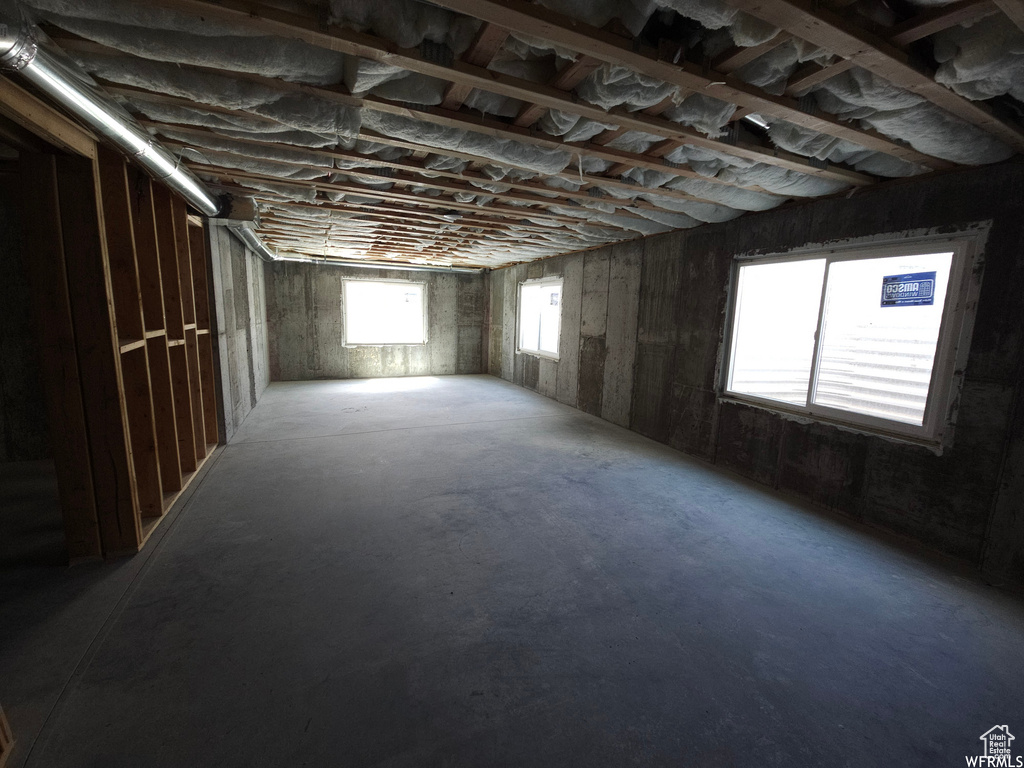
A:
912	290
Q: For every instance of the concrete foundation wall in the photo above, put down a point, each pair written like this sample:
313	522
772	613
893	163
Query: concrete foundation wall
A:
307	326
23	424
239	295
642	332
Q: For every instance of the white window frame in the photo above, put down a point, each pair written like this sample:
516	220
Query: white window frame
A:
344	312
952	348
557	280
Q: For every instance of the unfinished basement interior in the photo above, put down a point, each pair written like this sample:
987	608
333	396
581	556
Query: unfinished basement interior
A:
469	383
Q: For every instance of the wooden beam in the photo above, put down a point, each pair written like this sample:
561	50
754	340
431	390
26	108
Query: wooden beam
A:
340	238
398	212
521	16
89	283
179	215
811	21
44	121
812	74
489	127
1014	9
736	57
269	20
151	285
177	360
494	210
417	166
120	235
488	42
535	190
934	20
566	80
375	222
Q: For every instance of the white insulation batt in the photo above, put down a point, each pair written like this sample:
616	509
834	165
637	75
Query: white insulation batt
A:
195	72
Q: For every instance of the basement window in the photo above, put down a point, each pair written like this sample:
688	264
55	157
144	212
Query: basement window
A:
384	312
868	337
540	316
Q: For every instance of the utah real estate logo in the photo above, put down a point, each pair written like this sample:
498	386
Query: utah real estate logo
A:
998	750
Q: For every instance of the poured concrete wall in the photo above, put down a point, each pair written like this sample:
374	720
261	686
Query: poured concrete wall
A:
23	424
307	326
600	296
643	325
239	293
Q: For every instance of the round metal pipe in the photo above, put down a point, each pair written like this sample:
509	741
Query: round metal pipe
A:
253	241
63	81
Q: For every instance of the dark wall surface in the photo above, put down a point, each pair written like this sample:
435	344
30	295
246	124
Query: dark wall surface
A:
306	326
23	424
646	320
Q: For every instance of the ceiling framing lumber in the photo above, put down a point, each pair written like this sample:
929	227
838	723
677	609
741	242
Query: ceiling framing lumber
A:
414	165
916	28
1014	9
809	20
937	19
494	210
736	57
269	20
383	209
488	42
501	130
24	109
535	20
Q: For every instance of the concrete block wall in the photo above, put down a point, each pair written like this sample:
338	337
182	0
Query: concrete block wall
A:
642	333
238	291
24	433
307	326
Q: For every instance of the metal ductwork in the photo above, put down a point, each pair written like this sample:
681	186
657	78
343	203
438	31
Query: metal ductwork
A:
23	50
244	232
52	73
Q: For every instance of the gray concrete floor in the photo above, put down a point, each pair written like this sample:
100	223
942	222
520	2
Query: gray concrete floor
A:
458	572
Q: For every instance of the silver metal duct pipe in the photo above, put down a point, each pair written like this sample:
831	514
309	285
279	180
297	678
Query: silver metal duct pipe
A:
62	80
244	232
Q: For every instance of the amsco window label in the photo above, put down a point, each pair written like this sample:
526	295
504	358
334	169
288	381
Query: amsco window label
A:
915	290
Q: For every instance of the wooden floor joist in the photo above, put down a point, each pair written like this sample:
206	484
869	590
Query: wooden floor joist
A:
528	18
270	20
1014	9
416	165
933	20
816	24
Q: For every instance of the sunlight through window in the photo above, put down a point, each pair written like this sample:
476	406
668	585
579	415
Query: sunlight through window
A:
379	312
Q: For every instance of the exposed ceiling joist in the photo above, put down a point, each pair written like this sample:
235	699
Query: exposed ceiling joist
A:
737	57
270	20
813	22
416	165
538	21
407	197
1014	9
937	19
395	211
500	130
488	42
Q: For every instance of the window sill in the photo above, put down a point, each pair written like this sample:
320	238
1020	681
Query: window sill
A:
383	344
534	353
935	446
